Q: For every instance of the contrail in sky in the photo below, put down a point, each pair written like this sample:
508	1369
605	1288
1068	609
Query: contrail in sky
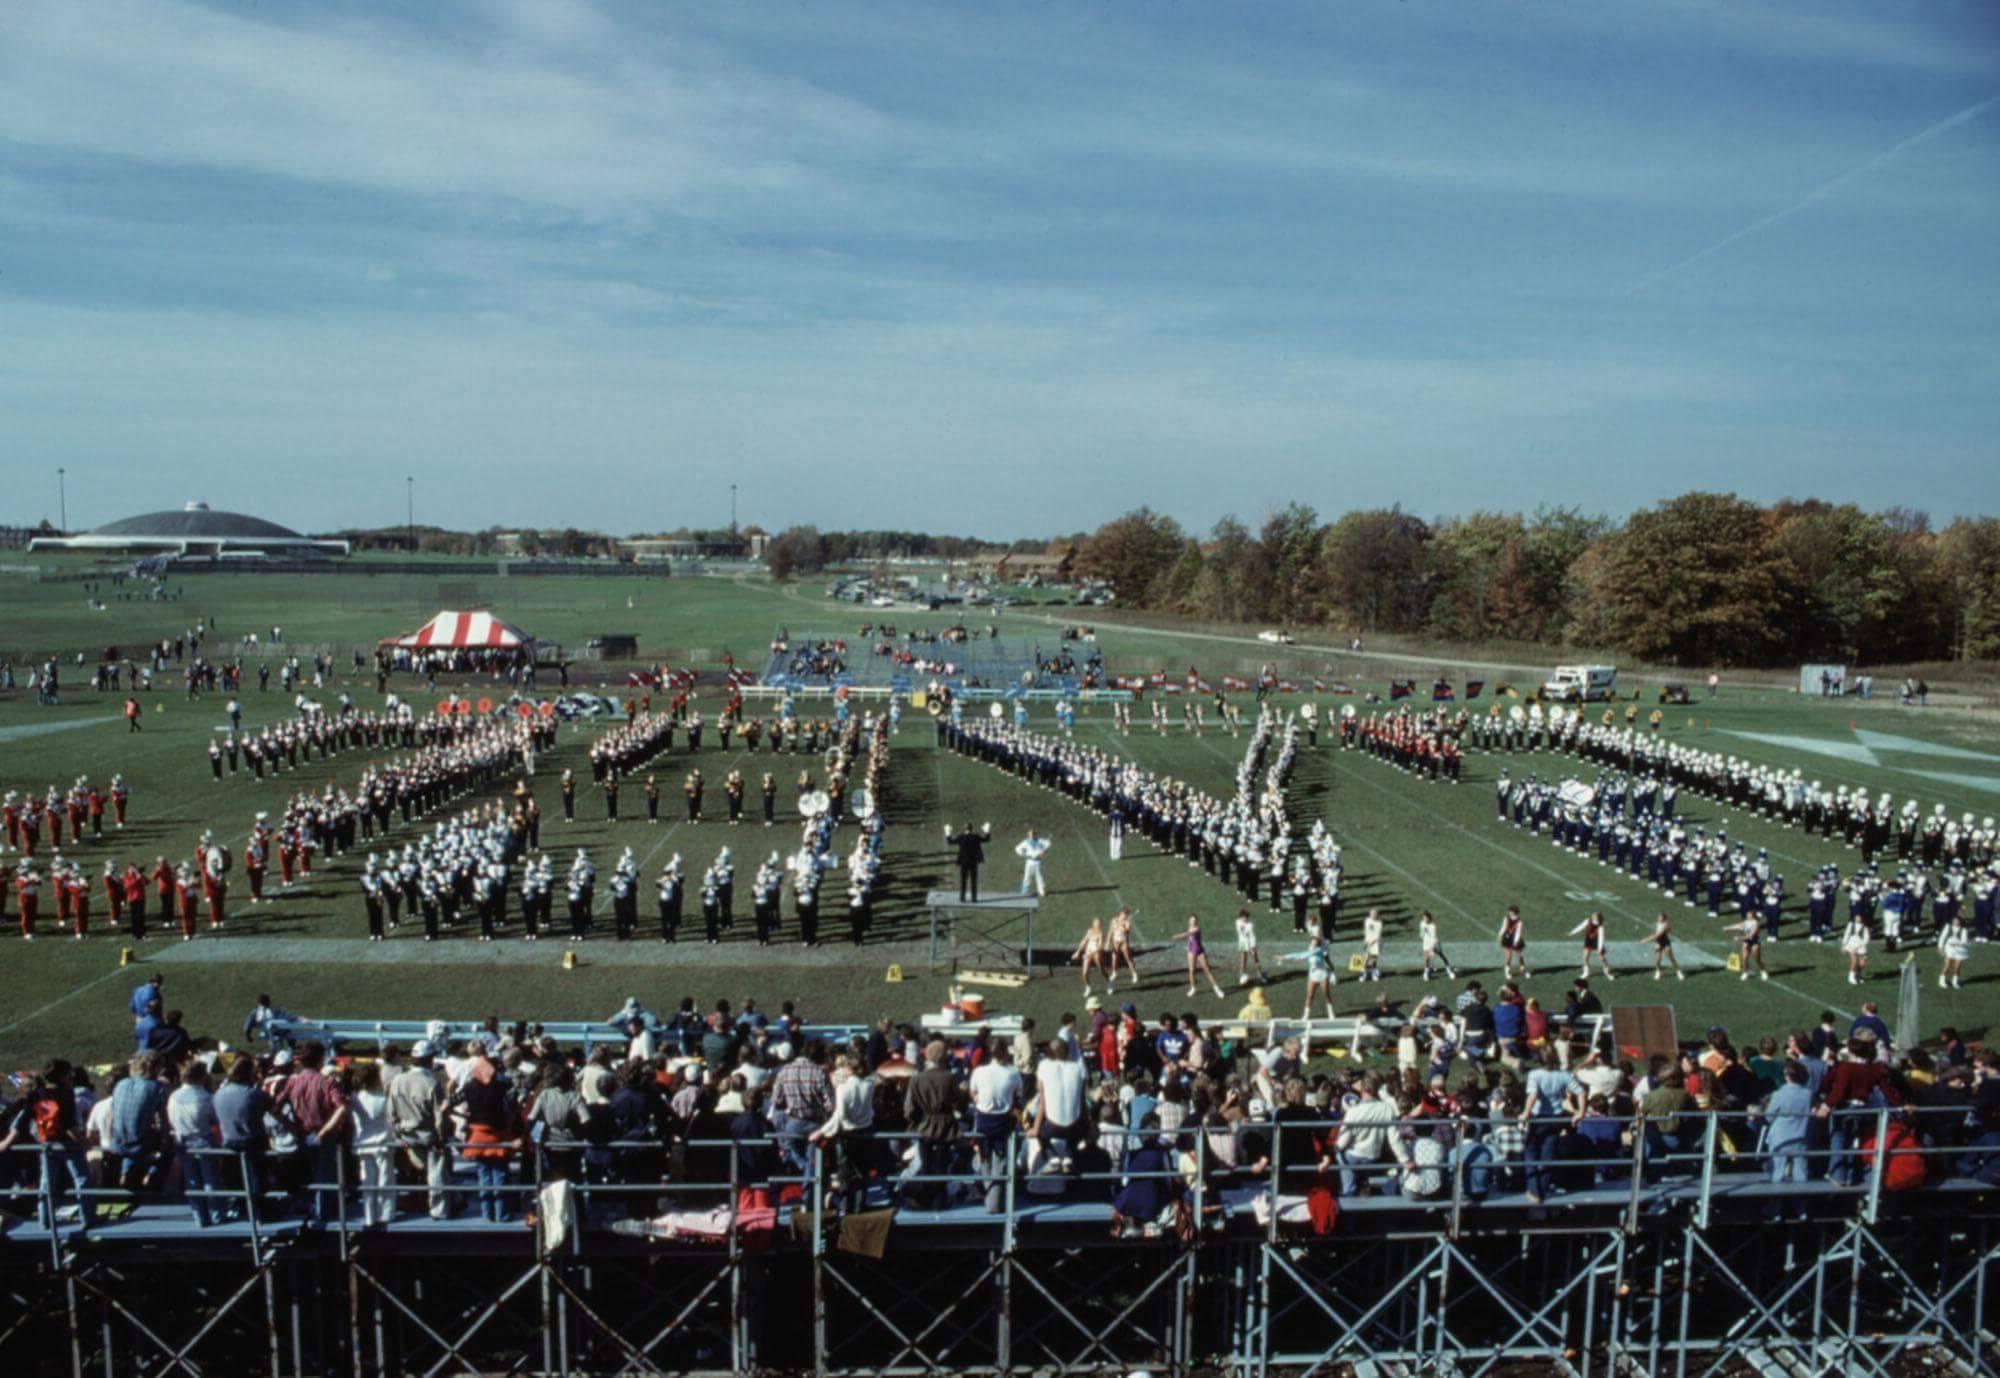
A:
1821	192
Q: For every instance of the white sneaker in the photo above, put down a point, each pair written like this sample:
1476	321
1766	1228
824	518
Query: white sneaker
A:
1763	976
1680	975
1941	983
1190	990
1656	973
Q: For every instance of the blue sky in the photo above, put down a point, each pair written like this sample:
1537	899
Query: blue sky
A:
1000	269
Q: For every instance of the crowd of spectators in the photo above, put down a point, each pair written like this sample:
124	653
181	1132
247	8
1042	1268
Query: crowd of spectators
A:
1156	1120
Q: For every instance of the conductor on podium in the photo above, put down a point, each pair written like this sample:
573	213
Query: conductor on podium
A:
971	849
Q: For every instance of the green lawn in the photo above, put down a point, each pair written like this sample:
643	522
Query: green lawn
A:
1410	845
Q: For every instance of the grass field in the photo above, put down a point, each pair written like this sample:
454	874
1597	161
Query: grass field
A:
1410	845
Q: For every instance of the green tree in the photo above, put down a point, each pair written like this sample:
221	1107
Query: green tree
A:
1133	553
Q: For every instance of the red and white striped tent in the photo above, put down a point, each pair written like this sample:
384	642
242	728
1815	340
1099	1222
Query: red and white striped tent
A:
466	630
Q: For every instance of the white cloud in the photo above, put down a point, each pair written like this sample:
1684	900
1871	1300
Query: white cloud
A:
650	126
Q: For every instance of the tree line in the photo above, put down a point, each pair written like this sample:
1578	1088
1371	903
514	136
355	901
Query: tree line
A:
1700	579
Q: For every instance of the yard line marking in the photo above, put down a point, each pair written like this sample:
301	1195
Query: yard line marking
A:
59	1000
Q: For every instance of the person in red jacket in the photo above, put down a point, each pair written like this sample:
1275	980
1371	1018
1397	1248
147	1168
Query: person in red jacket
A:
1858	1082
79	902
59	889
121	797
163	886
186	890
114	893
94	802
28	887
135	899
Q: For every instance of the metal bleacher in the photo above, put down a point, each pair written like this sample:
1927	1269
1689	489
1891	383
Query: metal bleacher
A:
979	662
374	1035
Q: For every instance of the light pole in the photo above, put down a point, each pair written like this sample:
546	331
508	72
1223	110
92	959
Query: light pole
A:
732	521
62	499
410	493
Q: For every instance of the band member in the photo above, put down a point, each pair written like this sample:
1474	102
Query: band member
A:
652	799
27	888
569	796
135	900
769	789
692	788
186	892
670	899
970	850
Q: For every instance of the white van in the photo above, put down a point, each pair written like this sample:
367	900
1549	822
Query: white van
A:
1582	683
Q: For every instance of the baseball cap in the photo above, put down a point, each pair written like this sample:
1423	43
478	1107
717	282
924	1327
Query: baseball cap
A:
423	1047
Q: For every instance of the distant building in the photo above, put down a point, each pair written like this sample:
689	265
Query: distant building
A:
195	530
744	547
1008	569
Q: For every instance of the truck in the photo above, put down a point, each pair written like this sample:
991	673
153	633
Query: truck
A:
1582	684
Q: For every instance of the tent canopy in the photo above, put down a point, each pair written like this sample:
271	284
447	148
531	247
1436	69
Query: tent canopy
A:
466	630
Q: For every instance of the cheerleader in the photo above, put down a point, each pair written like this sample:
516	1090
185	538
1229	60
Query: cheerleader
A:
1197	956
1427	934
1246	950
1319	974
1592	929
1513	944
1854	942
1751	935
1091	953
1119	944
1663	947
1954	944
1371	946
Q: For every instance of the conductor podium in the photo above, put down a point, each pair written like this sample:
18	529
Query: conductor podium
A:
988	927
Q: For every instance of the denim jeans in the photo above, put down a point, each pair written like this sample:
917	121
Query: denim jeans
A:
59	1162
1787	1164
492	1175
201	1173
1540	1153
792	1133
241	1174
1373	1171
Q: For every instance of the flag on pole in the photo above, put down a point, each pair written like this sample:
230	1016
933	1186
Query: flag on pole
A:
1402	689
1473	686
1441	693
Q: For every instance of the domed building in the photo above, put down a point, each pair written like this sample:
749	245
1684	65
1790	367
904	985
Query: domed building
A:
195	529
